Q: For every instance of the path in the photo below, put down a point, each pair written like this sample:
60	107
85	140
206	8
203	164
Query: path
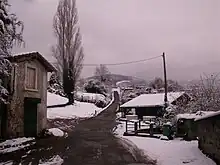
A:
91	142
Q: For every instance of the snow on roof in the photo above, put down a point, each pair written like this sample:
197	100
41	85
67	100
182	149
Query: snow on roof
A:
33	55
195	116
149	100
208	115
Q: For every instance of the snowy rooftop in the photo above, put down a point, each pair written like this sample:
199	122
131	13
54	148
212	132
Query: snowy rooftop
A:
32	55
149	100
208	115
197	115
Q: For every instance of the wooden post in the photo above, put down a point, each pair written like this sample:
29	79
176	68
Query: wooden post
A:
151	129
135	127
139	124
126	126
165	79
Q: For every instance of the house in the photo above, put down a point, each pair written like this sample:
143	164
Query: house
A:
26	114
208	132
153	104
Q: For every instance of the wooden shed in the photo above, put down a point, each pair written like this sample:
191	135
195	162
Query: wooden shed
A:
151	104
26	115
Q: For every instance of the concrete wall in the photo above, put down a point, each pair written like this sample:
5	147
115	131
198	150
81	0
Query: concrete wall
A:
208	131
15	124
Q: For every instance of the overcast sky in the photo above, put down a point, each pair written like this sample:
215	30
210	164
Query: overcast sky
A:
125	30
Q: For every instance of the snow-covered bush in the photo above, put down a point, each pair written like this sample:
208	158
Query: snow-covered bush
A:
205	95
98	99
55	86
95	86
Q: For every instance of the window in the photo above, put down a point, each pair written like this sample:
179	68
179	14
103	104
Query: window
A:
31	78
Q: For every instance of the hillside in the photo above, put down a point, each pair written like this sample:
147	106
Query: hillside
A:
117	77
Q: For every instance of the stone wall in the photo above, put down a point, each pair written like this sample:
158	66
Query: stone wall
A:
208	131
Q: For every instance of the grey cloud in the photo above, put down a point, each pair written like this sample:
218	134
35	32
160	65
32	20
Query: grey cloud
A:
124	30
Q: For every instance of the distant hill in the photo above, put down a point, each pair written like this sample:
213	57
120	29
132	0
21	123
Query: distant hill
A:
117	77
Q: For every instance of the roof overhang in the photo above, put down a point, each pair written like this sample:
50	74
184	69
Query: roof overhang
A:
30	56
144	106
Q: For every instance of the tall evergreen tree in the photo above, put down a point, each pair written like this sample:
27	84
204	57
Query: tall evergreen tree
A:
10	33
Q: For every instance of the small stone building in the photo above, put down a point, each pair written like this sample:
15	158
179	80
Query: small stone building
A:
26	115
208	132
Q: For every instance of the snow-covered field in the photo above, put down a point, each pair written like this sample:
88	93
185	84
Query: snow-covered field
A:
79	109
173	152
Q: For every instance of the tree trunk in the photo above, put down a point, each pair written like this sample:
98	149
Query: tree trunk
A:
70	98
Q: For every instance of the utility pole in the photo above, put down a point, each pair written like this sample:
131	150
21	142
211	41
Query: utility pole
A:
165	79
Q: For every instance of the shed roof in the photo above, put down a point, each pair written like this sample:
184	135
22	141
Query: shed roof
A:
208	115
30	56
151	100
197	115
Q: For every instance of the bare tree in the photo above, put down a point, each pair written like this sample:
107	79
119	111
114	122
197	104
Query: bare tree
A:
68	51
10	33
102	72
205	95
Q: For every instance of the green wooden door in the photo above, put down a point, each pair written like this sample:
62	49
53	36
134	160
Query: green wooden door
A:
30	116
3	120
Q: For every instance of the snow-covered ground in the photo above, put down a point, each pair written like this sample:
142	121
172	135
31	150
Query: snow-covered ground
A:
79	109
56	160
15	144
173	152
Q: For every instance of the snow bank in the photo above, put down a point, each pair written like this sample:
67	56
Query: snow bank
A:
173	152
116	90
79	109
53	99
56	132
15	144
56	160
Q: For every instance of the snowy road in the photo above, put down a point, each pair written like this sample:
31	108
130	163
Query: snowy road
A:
91	142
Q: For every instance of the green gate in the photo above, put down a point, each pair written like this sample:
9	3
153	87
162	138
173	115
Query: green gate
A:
30	116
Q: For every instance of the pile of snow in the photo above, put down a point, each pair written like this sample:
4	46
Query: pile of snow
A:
79	109
56	132
15	144
7	163
173	152
56	160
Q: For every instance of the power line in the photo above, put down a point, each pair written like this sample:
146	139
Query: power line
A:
124	63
